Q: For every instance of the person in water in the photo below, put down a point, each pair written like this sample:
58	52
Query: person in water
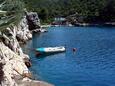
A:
74	49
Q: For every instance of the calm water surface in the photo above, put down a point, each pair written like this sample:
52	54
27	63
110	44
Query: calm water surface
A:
92	65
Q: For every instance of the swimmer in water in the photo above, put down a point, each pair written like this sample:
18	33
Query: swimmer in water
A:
74	49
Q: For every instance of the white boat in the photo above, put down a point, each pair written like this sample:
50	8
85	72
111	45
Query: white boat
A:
51	49
42	30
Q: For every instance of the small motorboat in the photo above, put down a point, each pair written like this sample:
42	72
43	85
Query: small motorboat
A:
40	30
51	49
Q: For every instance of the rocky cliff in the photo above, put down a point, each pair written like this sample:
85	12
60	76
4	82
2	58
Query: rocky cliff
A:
13	62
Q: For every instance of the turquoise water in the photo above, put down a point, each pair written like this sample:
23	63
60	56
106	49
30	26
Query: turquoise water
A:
92	65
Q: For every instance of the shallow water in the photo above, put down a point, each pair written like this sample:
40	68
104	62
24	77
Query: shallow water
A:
92	65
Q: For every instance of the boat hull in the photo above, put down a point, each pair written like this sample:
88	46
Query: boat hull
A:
51	49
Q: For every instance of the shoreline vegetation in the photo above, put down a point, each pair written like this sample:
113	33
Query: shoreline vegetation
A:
75	11
80	25
109	24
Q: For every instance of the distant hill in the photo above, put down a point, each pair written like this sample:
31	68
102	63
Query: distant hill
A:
91	10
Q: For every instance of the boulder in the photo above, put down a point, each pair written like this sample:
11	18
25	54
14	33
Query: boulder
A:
33	20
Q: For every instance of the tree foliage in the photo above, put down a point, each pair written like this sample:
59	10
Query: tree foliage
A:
11	12
92	10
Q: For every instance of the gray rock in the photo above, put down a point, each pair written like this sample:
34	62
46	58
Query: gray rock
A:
33	20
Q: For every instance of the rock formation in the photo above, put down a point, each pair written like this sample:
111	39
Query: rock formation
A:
33	20
13	69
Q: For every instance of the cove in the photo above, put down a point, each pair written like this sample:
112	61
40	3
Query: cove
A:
92	65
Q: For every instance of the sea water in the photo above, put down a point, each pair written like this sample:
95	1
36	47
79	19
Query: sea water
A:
93	63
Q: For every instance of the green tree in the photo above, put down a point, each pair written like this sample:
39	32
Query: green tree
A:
108	12
11	12
43	14
91	10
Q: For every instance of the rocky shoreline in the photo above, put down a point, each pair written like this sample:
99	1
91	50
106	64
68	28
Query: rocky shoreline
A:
13	62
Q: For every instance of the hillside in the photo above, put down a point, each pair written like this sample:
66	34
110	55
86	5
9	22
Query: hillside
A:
91	10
